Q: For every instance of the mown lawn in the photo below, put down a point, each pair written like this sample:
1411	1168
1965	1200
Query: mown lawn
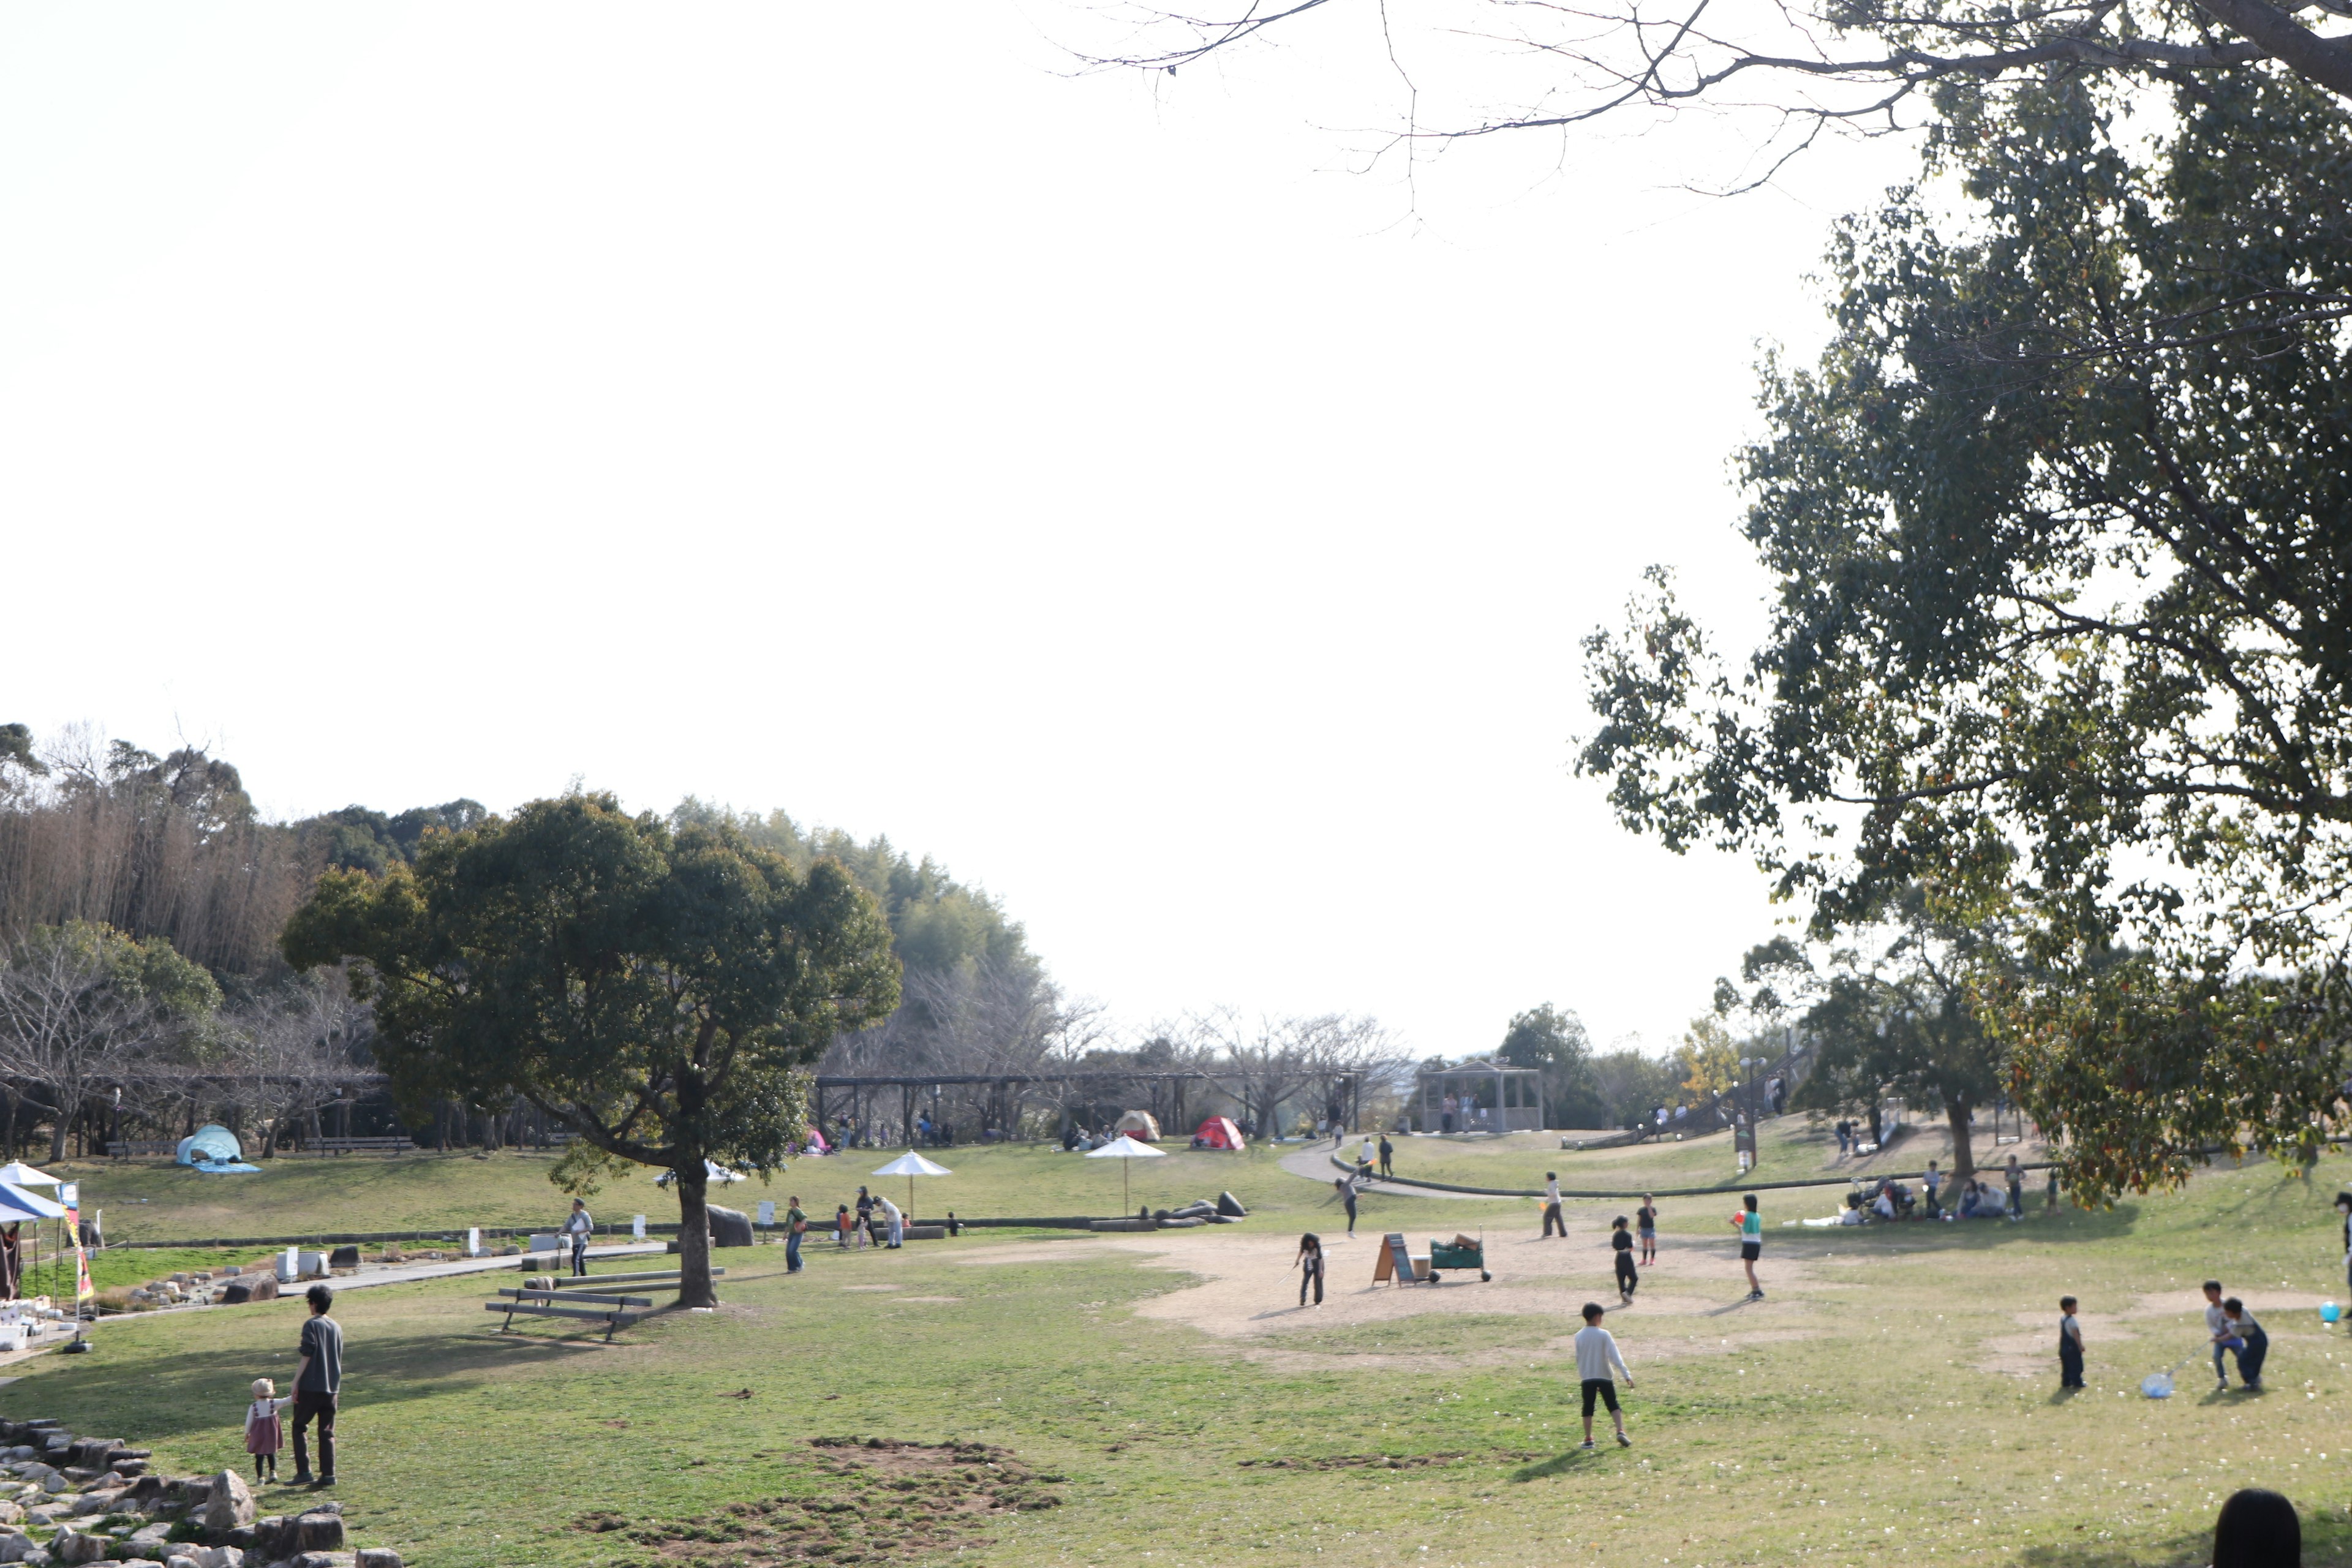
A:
297	1196
1894	1401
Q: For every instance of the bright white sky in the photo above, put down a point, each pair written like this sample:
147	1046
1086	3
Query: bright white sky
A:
1091	482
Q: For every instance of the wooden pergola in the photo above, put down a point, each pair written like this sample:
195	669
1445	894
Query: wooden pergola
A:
1509	1099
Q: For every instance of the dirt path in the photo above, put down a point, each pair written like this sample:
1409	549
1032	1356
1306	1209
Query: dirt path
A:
1692	1300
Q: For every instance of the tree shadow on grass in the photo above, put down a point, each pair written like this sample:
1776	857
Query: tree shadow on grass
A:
186	1392
2189	1547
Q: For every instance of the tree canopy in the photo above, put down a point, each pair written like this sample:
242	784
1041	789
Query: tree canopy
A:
2061	526
654	990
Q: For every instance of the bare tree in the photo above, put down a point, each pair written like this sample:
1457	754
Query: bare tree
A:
1796	69
82	1005
1264	1064
295	1051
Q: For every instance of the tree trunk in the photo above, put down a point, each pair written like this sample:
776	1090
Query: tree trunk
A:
694	1234
58	1136
1964	1163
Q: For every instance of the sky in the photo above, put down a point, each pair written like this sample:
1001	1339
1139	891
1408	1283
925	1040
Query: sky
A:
1118	488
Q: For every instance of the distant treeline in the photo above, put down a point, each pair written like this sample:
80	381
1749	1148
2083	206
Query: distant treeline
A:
106	832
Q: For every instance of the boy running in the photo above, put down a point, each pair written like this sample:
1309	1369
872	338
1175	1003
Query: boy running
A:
1596	1352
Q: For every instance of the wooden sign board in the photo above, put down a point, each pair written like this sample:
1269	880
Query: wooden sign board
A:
1394	1261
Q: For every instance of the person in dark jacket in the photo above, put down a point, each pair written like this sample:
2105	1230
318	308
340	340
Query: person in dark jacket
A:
318	1388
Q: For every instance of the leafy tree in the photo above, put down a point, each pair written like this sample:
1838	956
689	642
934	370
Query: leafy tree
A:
654	991
2062	529
357	839
1632	1085
1554	1042
1707	1059
1896	1011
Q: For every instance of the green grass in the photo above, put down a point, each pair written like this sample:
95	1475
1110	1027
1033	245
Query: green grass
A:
297	1195
1789	1149
1853	1421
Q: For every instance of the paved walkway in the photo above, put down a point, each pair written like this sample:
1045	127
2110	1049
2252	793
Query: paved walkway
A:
1314	1163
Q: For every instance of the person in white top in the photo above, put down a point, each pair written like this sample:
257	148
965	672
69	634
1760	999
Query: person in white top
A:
1554	1224
2217	1324
1596	1353
895	1221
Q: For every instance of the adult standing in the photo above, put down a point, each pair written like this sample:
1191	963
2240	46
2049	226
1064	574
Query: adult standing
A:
2016	1175
1310	1263
318	1385
1554	1223
1388	1168
1750	1227
1345	1187
895	1222
1446	1112
865	1217
579	1227
795	1227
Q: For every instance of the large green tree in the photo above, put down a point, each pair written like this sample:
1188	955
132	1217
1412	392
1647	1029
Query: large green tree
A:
2061	530
654	991
1554	1041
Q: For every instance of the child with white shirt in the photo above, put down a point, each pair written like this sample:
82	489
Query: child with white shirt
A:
1554	1224
2217	1324
1596	1353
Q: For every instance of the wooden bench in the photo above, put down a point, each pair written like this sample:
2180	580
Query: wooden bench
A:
395	1144
614	1314
127	1148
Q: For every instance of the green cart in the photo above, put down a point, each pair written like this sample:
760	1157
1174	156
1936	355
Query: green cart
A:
1458	1254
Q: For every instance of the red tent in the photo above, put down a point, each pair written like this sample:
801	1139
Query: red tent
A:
1217	1132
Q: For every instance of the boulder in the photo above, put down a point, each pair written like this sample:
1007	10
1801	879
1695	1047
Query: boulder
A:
229	1505
729	1227
150	1540
344	1258
216	1557
378	1557
13	1545
317	1532
72	1547
1231	1206
252	1288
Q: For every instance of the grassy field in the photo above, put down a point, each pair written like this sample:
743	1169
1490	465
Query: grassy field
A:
1891	1401
297	1196
1789	1149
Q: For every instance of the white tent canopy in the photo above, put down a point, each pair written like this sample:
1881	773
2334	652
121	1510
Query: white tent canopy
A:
17	1174
1123	1149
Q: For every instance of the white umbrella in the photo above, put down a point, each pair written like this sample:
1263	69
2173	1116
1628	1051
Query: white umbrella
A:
1123	1149
17	1174
910	1165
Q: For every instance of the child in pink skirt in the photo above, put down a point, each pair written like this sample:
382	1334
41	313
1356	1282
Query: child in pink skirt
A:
263	1433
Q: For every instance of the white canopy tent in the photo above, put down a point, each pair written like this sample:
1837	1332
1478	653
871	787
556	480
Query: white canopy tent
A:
17	1174
1123	1149
910	1165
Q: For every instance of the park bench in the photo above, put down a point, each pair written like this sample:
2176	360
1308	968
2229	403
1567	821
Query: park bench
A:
612	1310
395	1144
127	1148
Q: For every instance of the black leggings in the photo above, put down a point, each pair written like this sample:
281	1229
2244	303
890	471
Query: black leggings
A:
1627	1278
1313	1277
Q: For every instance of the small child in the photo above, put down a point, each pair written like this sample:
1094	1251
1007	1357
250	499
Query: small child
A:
841	1224
263	1433
1620	1242
2070	1344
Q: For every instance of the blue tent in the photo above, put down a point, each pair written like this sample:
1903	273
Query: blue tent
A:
211	1145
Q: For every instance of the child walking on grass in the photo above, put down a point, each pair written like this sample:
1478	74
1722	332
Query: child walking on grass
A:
264	1434
1620	1242
1596	1353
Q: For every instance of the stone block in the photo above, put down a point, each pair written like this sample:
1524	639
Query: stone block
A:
229	1505
729	1227
70	1546
344	1258
317	1532
378	1557
13	1545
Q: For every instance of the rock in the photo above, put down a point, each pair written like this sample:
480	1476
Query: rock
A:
233	1269
13	1545
252	1288
344	1258
729	1227
378	1557
149	1540
1231	1206
230	1504
317	1532
72	1547
264	1538
216	1557
91	1503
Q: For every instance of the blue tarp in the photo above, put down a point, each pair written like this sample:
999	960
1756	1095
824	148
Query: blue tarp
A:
226	1168
211	1145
